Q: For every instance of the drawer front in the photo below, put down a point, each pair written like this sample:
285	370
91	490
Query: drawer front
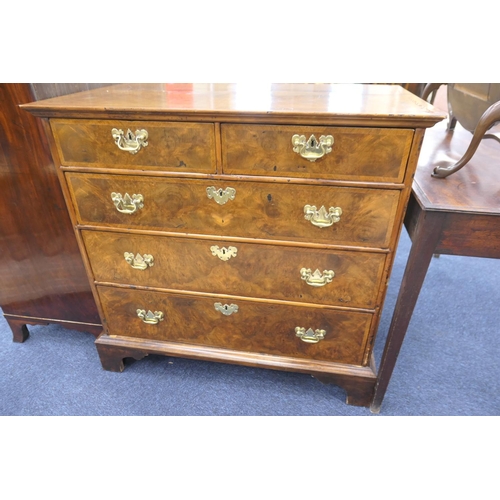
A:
178	147
244	269
258	210
255	327
359	154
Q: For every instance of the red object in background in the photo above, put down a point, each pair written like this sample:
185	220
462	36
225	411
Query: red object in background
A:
179	94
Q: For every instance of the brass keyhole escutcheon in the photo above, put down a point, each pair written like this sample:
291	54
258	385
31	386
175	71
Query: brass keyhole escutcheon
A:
226	309
221	196
223	253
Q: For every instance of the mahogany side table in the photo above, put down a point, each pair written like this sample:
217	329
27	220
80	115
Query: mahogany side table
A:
456	215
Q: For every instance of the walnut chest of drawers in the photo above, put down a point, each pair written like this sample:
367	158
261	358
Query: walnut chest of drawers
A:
250	225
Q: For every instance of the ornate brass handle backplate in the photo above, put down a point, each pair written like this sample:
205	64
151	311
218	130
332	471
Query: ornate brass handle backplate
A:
223	253
310	336
221	196
225	309
127	204
151	318
316	278
322	218
312	149
129	141
139	261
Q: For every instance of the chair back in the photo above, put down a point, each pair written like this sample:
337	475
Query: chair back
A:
467	102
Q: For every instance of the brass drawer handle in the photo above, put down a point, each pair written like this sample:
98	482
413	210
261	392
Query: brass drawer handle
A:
225	309
129	141
127	204
139	261
312	149
310	336
221	196
223	253
316	278
149	317
322	218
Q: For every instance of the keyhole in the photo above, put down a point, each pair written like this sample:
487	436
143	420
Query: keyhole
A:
220	192
225	307
224	251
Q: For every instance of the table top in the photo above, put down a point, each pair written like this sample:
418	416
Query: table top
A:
475	188
336	104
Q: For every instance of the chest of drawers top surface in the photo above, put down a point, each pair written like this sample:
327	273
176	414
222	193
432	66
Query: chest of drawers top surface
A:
337	104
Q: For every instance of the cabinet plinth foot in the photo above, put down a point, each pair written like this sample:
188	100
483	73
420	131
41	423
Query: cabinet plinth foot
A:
358	392
20	332
112	358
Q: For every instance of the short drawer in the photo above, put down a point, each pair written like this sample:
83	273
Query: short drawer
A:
279	272
177	147
357	153
290	212
244	325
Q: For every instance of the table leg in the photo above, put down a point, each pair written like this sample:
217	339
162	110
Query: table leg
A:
424	241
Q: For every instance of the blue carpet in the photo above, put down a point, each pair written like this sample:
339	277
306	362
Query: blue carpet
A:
448	364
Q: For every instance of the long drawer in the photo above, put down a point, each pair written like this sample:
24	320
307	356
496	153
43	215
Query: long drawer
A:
177	147
259	327
352	153
290	212
246	269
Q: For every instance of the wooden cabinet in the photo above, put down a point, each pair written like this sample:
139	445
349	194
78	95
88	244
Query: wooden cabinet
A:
43	278
220	227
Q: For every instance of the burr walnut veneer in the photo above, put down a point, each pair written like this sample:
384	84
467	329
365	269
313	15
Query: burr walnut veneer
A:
244	225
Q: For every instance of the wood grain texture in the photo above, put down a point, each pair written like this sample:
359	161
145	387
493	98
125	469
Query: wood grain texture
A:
144	347
361	154
186	147
50	90
357	381
264	271
475	188
332	104
194	320
467	200
368	176
410	170
259	210
41	267
20	331
458	215
470	235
